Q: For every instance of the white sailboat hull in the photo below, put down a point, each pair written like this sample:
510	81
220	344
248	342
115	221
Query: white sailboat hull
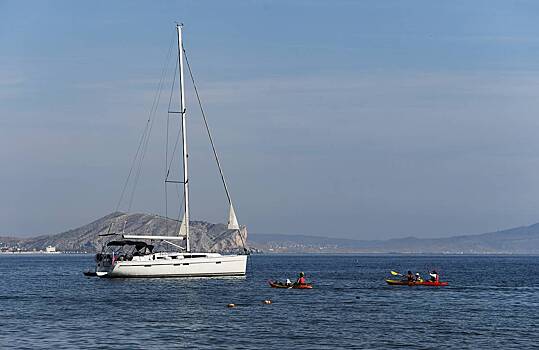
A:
178	265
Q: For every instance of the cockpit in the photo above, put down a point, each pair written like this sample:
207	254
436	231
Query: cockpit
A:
123	250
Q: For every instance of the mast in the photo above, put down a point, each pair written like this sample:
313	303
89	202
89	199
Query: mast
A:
184	228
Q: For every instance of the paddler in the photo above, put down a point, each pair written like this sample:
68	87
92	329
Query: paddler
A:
434	277
301	279
409	276
418	277
288	282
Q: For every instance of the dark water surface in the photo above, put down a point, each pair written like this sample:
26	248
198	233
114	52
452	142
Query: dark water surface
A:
492	301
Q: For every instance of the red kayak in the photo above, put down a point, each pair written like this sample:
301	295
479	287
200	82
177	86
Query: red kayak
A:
276	284
422	283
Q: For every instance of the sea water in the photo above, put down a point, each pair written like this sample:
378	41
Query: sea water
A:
491	302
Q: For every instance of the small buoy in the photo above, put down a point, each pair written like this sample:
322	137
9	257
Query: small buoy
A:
231	305
267	302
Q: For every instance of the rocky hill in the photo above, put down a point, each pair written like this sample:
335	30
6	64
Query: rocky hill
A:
204	236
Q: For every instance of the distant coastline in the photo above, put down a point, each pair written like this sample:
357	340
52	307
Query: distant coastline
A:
522	240
519	240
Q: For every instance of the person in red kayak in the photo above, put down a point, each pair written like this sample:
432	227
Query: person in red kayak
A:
301	279
417	277
434	277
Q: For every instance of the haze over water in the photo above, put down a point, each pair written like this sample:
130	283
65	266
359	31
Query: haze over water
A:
491	302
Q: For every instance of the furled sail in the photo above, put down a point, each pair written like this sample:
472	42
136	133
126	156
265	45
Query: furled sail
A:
183	228
232	219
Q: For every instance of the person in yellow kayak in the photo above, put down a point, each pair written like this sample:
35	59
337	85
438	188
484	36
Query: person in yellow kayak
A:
301	279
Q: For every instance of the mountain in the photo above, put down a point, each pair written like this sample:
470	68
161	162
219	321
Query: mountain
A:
520	240
217	238
204	236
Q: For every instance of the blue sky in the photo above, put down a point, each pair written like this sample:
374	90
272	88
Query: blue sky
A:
359	119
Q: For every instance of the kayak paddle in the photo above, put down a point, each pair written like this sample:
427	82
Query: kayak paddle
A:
395	273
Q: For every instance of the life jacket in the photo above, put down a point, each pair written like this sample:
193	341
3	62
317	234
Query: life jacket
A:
301	280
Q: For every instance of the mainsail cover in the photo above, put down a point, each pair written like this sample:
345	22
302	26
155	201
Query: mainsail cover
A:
232	219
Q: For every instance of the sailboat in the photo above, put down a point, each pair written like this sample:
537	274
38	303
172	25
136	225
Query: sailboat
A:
133	256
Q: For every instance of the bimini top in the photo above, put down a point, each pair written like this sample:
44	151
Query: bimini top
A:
139	245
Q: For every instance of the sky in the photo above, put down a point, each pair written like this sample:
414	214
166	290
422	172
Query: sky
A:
352	119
